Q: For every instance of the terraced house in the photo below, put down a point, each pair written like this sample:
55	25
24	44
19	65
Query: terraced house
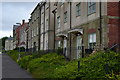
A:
34	29
41	30
85	26
76	27
47	26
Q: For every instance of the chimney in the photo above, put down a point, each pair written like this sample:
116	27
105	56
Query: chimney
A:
23	21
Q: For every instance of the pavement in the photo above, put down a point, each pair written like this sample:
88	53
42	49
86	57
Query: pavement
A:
0	66
12	71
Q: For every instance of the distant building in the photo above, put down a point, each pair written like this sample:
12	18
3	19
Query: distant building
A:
16	35
19	34
9	44
23	27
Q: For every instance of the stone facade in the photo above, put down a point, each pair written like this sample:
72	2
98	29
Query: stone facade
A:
41	30
76	27
9	44
33	29
82	32
47	26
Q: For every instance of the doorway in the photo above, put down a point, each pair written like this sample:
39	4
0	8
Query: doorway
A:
79	46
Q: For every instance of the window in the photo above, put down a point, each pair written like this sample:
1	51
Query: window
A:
91	7
58	22
42	28
78	9
61	2
59	43
46	24
37	30
32	32
65	17
92	40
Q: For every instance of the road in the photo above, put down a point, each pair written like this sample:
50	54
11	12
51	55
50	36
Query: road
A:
10	69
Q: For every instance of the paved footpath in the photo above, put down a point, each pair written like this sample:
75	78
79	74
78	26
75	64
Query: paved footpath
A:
10	69
0	66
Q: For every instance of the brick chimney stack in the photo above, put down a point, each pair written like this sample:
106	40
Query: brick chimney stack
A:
23	21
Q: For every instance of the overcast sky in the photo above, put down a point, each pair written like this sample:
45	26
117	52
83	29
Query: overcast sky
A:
12	13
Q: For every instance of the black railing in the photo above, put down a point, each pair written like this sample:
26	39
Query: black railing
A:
115	48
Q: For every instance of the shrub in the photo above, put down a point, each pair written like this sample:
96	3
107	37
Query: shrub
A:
24	61
14	54
93	67
44	66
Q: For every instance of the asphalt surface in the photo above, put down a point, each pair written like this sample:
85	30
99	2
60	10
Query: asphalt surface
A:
12	71
0	66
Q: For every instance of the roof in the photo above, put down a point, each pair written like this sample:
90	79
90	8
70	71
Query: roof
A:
10	38
40	4
15	26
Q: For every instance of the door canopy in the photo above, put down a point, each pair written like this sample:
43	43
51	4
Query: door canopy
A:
76	31
62	35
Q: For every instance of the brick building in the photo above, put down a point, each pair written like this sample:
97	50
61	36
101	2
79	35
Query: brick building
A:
9	44
19	34
23	34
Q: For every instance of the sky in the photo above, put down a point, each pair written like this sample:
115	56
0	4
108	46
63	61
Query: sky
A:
12	13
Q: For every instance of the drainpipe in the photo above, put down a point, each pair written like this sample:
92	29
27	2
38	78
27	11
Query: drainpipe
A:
44	27
39	27
49	26
70	27
100	28
118	30
54	12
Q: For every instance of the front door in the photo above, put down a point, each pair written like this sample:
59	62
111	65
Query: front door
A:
34	46
79	46
65	47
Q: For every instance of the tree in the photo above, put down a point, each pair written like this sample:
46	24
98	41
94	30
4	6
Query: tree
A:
2	42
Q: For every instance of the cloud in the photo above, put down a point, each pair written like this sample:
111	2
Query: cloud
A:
12	13
5	33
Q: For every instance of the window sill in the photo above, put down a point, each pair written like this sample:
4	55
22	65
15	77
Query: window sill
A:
91	13
78	15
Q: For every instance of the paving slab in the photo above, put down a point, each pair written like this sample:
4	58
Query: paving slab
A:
11	70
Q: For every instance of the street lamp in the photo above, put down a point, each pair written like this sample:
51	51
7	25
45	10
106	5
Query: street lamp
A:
19	46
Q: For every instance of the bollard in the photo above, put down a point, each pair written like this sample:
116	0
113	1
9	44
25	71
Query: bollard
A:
106	68
18	57
78	66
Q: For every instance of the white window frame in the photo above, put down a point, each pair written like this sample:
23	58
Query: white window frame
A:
92	40
58	22
65	17
37	30
47	23
91	7
78	9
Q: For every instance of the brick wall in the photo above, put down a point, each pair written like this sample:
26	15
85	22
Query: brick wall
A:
113	11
